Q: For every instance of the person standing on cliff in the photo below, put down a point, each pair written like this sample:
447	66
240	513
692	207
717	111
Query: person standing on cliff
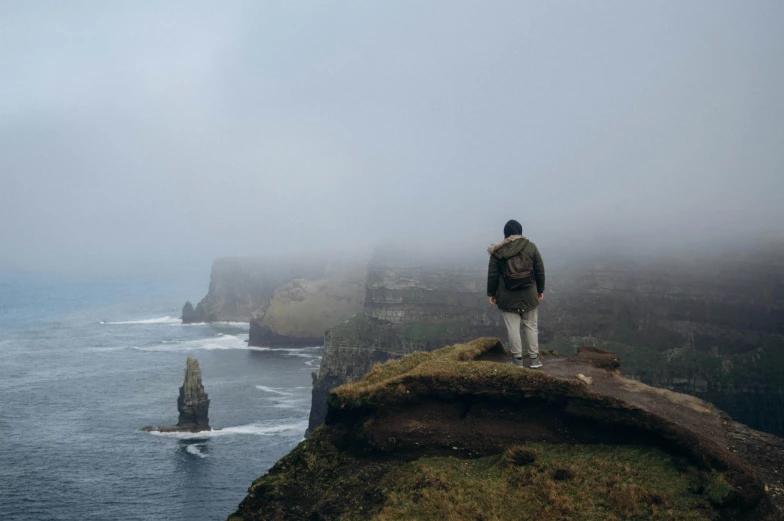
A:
515	283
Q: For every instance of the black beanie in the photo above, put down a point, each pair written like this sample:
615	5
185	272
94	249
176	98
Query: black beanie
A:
512	228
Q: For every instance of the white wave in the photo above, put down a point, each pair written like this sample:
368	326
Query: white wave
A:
160	320
239	325
291	349
300	402
288	398
104	349
272	390
311	362
304	355
295	429
195	450
222	342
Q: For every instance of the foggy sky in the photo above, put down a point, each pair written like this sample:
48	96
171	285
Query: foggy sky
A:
159	132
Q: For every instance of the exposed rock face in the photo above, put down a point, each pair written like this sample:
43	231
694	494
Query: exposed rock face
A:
192	403
466	403
714	329
300	312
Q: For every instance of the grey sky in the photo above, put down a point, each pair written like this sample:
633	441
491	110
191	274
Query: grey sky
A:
162	131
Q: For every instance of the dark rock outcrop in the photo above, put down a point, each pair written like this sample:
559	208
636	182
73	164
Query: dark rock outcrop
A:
189	315
264	336
192	403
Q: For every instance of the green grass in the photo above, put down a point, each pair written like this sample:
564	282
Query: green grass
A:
321	479
563	482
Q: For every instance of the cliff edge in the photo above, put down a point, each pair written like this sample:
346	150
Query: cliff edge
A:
458	433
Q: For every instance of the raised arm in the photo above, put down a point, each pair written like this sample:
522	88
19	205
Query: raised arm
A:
492	277
539	271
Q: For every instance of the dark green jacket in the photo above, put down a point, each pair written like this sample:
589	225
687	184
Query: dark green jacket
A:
517	300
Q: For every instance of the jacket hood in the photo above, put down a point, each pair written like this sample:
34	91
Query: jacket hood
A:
509	247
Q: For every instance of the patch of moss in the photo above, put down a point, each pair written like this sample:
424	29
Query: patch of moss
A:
717	490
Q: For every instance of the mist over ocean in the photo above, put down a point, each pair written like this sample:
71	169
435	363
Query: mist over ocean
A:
85	363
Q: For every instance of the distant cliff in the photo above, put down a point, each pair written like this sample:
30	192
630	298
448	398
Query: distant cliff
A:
709	327
288	301
239	287
301	312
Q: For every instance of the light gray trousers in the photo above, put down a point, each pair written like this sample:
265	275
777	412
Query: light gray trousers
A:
530	321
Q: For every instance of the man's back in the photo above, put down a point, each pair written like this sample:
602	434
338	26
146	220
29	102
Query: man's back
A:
514	299
520	301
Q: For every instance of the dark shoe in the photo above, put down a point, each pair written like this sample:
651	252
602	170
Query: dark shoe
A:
536	362
519	362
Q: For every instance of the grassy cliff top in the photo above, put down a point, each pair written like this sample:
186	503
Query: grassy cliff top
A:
388	382
453	434
307	308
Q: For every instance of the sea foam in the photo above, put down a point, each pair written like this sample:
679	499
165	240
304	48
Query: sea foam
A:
289	430
195	450
272	390
218	342
160	320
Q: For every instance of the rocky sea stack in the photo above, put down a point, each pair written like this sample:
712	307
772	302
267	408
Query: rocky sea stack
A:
193	403
189	315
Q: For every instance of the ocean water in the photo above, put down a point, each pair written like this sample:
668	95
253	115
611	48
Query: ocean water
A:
86	362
